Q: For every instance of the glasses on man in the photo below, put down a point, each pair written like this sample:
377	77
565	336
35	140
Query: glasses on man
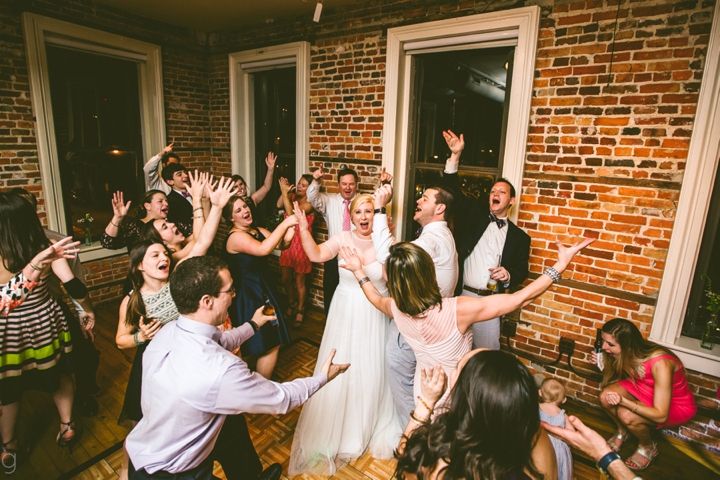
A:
230	290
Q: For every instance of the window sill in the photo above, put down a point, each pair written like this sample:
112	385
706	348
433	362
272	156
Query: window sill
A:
694	357
97	252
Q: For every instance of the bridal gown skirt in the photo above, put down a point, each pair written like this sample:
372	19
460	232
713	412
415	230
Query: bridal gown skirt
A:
354	412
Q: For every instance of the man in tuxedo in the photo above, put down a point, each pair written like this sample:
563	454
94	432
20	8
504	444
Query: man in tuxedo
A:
490	247
180	209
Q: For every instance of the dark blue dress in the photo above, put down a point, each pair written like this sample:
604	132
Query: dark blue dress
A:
251	278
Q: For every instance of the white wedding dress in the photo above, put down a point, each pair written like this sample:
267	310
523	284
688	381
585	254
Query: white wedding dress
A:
354	412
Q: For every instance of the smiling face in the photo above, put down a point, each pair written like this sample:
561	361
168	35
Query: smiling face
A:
180	180
157	207
610	345
241	214
348	187
425	210
156	263
500	199
302	187
362	218
168	232
240	187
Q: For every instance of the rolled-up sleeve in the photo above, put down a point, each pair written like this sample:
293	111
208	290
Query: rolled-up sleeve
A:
381	237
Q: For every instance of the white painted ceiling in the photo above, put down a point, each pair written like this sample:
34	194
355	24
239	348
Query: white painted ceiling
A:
214	15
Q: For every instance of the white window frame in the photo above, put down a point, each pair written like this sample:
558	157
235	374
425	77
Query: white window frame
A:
150	90
242	109
692	211
495	26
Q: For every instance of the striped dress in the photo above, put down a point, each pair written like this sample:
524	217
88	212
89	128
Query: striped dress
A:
34	335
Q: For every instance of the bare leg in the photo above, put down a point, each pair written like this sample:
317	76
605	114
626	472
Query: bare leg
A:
8	421
287	276
612	409
126	458
301	294
63	399
625	419
266	363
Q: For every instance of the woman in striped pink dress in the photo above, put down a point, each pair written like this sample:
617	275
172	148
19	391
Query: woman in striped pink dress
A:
439	329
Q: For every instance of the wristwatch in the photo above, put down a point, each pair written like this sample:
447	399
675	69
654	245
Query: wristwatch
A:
606	460
380	210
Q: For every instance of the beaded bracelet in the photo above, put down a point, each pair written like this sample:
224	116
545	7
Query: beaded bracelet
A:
363	281
553	274
138	342
425	404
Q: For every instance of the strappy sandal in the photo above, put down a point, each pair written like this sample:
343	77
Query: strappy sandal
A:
647	454
68	442
300	312
11	457
616	441
290	309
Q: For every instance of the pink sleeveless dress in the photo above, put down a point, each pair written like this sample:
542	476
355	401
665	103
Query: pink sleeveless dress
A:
435	339
682	402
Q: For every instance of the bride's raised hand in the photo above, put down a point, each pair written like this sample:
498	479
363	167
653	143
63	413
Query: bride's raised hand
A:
352	261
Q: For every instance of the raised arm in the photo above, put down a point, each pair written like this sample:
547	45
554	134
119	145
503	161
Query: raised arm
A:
262	192
314	197
286	188
315	253
381	237
353	263
114	235
472	310
152	172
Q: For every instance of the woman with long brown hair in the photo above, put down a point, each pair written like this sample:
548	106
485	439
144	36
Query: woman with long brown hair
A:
644	388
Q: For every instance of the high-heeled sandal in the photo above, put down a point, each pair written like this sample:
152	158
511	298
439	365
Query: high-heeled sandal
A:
68	442
301	313
616	441
11	457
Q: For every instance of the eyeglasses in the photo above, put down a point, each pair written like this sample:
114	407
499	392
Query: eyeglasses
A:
230	290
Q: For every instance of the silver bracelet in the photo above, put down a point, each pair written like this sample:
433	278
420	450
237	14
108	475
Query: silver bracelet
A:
363	281
553	274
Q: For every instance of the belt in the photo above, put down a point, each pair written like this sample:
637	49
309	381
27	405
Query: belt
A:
477	291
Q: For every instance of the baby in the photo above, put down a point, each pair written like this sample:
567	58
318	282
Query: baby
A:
552	395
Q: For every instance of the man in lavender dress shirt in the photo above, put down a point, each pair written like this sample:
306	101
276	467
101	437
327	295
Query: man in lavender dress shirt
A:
192	381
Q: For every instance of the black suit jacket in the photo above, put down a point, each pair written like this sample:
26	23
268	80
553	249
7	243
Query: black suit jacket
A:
471	218
180	212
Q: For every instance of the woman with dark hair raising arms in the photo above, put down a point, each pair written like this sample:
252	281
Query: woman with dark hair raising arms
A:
490	431
645	387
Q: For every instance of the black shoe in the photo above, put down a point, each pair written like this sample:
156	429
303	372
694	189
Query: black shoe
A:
86	405
273	472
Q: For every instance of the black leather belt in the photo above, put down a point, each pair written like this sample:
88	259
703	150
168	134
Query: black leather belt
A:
477	291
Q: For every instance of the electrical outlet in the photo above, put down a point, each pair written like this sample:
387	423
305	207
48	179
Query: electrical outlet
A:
509	328
567	346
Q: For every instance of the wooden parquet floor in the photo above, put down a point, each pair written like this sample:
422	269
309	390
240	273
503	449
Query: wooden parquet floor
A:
98	457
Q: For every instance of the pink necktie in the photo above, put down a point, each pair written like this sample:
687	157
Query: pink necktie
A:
346	216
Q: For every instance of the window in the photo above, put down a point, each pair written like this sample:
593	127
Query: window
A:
690	221
464	91
497	33
43	34
263	112
96	114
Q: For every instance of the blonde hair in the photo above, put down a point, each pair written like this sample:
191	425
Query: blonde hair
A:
359	200
553	391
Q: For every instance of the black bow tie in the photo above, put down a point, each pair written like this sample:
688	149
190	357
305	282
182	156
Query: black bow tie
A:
499	221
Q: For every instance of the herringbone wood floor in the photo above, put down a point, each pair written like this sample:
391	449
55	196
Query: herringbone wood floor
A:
95	459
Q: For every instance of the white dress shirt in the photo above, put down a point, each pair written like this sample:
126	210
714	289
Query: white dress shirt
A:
190	381
485	255
436	239
331	207
153	181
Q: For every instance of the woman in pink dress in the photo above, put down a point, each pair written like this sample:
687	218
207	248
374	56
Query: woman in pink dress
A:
294	261
645	388
439	329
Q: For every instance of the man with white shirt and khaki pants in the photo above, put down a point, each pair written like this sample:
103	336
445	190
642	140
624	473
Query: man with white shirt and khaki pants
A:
432	212
493	253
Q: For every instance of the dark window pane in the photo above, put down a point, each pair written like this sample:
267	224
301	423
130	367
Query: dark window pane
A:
95	108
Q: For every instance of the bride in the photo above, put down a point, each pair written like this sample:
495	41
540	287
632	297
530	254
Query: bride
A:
356	411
